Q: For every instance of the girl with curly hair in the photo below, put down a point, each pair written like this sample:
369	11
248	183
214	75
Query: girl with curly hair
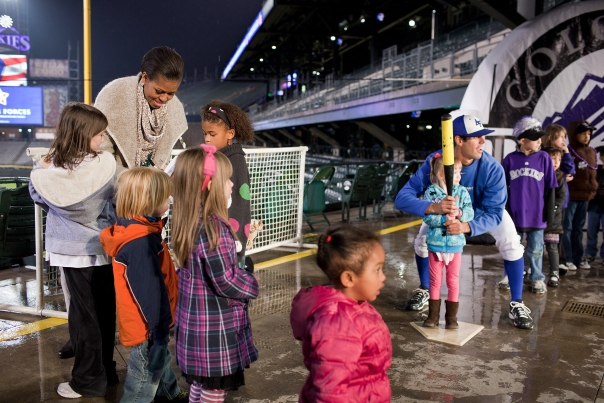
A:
226	126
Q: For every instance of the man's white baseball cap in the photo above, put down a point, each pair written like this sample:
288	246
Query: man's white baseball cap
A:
469	126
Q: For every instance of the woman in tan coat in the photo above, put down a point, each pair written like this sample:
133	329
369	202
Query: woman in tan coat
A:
146	119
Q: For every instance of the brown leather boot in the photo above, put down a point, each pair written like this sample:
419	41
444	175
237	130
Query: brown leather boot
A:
451	315
433	313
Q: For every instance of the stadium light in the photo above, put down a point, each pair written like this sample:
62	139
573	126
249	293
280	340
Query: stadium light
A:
333	38
261	59
273	47
266	8
380	17
362	20
411	23
251	69
428	127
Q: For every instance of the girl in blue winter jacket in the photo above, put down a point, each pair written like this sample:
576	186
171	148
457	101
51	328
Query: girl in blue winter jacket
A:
444	250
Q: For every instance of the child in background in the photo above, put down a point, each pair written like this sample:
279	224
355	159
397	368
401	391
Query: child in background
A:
74	184
345	342
531	179
555	136
444	251
145	284
222	123
551	236
595	215
213	330
582	189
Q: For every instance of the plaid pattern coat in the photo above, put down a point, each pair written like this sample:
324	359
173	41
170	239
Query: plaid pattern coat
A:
213	331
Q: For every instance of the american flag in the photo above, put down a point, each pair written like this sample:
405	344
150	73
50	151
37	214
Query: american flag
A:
13	70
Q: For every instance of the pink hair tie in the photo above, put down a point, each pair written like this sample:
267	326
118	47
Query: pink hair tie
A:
328	239
209	164
437	155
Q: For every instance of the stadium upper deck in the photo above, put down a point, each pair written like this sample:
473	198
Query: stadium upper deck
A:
327	60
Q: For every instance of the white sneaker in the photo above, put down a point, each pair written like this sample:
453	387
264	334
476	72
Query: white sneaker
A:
562	267
504	284
584	265
65	391
571	266
538	287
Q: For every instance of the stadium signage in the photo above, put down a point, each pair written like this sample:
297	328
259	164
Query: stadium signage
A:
12	39
48	68
549	67
21	105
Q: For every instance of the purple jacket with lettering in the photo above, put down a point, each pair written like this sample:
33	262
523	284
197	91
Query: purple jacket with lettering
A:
530	179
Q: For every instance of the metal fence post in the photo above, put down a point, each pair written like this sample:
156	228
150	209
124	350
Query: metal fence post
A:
39	257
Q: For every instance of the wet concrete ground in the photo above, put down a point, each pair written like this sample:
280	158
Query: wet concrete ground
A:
560	360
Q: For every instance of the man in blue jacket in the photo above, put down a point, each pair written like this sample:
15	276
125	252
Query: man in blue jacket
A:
484	179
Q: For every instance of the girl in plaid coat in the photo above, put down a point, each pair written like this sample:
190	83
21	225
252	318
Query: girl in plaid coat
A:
213	331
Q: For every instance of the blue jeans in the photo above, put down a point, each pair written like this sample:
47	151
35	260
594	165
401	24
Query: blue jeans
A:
572	239
594	219
149	373
534	250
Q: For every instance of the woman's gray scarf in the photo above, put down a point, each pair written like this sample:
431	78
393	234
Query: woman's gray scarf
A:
151	128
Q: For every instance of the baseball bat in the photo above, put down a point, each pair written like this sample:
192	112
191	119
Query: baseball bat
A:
448	154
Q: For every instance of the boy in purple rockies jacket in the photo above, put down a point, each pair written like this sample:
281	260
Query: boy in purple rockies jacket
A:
531	178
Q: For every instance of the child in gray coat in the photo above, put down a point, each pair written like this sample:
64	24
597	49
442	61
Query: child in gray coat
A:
74	184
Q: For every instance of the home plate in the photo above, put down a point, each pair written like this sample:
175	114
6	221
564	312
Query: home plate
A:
456	337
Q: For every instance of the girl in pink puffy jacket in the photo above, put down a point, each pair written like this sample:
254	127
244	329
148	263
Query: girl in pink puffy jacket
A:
345	342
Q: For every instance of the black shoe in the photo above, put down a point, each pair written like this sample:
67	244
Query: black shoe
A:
66	351
419	300
554	279
520	315
182	397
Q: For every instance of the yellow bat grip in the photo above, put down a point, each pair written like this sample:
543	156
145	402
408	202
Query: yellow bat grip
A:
447	133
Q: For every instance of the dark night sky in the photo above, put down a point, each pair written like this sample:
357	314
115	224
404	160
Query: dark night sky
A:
124	30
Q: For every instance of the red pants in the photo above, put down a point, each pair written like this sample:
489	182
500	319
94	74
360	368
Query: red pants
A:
436	276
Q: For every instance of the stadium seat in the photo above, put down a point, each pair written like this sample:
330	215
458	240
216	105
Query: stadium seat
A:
17	221
358	192
314	195
397	183
377	186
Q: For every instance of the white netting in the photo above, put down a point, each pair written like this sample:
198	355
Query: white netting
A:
276	181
